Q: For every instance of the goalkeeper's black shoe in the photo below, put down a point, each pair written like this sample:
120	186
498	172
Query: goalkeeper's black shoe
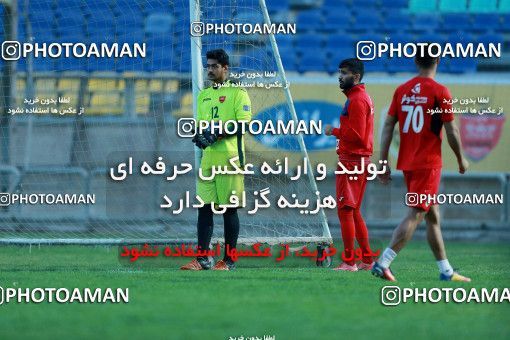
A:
198	264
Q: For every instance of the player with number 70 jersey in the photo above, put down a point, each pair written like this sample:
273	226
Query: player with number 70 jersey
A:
421	131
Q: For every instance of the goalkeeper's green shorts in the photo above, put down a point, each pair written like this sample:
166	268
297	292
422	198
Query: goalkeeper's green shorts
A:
220	188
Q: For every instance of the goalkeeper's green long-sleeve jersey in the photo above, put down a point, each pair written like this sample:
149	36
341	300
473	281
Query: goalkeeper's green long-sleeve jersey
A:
223	104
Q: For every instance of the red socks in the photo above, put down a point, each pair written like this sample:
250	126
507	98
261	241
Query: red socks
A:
351	225
346	217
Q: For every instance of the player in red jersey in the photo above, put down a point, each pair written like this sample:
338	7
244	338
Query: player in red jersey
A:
354	147
419	158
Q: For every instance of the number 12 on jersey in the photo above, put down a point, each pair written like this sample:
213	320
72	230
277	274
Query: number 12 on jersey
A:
414	116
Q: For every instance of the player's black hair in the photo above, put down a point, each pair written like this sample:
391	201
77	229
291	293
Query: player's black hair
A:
354	65
426	60
219	55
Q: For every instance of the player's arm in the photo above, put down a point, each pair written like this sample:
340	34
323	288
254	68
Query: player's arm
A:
386	137
453	137
203	139
452	131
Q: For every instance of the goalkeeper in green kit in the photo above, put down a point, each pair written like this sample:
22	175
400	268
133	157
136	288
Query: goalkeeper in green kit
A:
222	103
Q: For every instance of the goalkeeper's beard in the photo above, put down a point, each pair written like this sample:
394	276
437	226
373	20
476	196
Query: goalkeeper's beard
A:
216	81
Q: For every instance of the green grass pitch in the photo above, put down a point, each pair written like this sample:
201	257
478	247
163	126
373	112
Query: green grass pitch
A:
290	300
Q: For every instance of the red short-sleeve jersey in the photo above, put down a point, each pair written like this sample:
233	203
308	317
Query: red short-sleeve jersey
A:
422	106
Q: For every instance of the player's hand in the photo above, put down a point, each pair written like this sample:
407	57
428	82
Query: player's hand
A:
198	140
463	165
328	130
205	139
385	178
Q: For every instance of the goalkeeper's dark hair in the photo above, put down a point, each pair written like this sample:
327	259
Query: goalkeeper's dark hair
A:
426	60
220	55
354	65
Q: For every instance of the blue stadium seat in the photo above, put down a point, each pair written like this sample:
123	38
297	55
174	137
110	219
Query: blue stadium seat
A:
158	42
71	64
249	17
21	65
334	6
336	20
389	5
483	6
284	41
98	37
120	7
180	9
130	64
340	41
278	6
485	22
72	36
336	55
95	8
362	4
456	22
422	6
70	21
400	38
309	20
504	6
161	61
396	21
43	64
505	23
101	24
157	6
254	61
288	55
77	4
309	42
159	23
366	22
458	6
462	65
402	64
41	31
100	64
128	22
460	37
425	23
376	65
37	15
42	8
431	38
491	38
312	61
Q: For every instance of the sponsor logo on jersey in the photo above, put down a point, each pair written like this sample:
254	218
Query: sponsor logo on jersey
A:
222	99
416	89
206	99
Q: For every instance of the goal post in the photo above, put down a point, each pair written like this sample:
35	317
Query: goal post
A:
116	130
